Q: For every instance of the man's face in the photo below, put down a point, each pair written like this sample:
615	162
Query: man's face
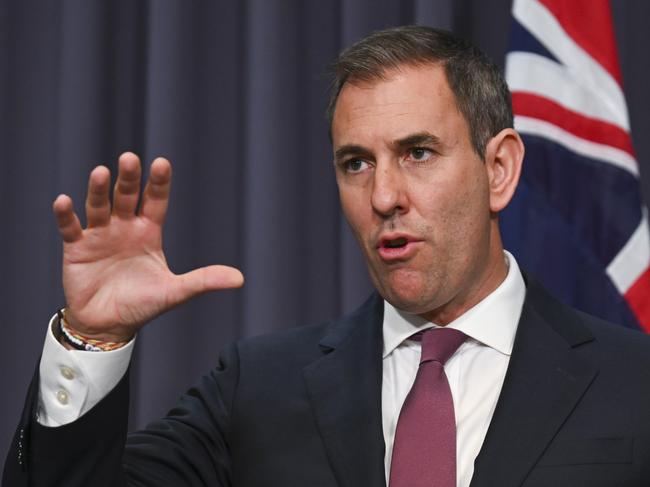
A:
414	191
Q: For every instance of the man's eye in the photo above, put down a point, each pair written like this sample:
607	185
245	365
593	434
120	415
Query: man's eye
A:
356	165
420	154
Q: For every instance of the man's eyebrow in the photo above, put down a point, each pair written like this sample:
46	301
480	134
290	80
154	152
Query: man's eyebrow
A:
421	138
350	149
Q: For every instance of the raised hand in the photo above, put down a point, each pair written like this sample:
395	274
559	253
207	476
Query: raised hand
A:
115	276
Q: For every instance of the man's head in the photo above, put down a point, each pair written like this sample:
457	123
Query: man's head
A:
420	186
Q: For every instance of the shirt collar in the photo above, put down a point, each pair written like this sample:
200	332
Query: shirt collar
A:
492	322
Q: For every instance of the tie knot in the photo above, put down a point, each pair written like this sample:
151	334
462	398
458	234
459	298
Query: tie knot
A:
438	344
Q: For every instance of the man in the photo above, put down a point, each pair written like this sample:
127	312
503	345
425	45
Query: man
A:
532	393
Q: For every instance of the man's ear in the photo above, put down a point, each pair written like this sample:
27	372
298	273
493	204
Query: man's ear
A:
504	155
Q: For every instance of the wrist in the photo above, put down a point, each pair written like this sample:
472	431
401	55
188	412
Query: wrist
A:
72	339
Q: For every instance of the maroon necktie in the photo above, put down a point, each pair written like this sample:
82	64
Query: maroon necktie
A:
424	451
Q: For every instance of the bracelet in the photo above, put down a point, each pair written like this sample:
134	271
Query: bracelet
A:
81	342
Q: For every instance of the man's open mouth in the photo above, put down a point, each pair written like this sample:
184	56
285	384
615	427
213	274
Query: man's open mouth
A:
395	243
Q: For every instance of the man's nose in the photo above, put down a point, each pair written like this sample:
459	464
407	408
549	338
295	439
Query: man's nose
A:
389	192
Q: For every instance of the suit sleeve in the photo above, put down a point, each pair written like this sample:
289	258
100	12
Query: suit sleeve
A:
189	446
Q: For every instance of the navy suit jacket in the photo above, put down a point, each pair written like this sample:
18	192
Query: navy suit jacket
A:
303	408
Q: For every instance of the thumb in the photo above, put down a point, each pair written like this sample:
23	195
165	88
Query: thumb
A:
205	279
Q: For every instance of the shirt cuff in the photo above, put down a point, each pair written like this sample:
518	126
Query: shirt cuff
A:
73	381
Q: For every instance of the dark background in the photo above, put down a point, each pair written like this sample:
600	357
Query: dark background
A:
233	93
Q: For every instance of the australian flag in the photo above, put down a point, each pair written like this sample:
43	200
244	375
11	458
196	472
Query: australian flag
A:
577	221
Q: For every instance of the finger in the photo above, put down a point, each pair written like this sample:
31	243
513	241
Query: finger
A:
66	219
204	279
127	186
98	206
156	193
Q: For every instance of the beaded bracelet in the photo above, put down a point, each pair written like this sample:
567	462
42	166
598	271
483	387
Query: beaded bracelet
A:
81	342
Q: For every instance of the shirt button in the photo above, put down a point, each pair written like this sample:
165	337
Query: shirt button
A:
67	372
62	397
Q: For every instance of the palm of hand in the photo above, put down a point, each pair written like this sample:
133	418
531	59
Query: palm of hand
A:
120	270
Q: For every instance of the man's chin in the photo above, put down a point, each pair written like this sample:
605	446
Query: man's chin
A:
405	287
410	299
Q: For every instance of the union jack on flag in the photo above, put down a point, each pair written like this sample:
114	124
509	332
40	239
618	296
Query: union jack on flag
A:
577	221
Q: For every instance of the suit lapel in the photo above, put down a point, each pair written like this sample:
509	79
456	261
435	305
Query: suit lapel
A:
344	388
546	378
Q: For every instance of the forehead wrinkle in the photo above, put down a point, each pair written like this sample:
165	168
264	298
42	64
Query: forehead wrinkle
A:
393	116
370	106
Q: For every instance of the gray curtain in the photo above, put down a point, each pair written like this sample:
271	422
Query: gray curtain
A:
233	93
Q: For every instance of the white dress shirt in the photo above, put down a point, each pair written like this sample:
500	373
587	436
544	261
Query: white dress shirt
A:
475	372
72	382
